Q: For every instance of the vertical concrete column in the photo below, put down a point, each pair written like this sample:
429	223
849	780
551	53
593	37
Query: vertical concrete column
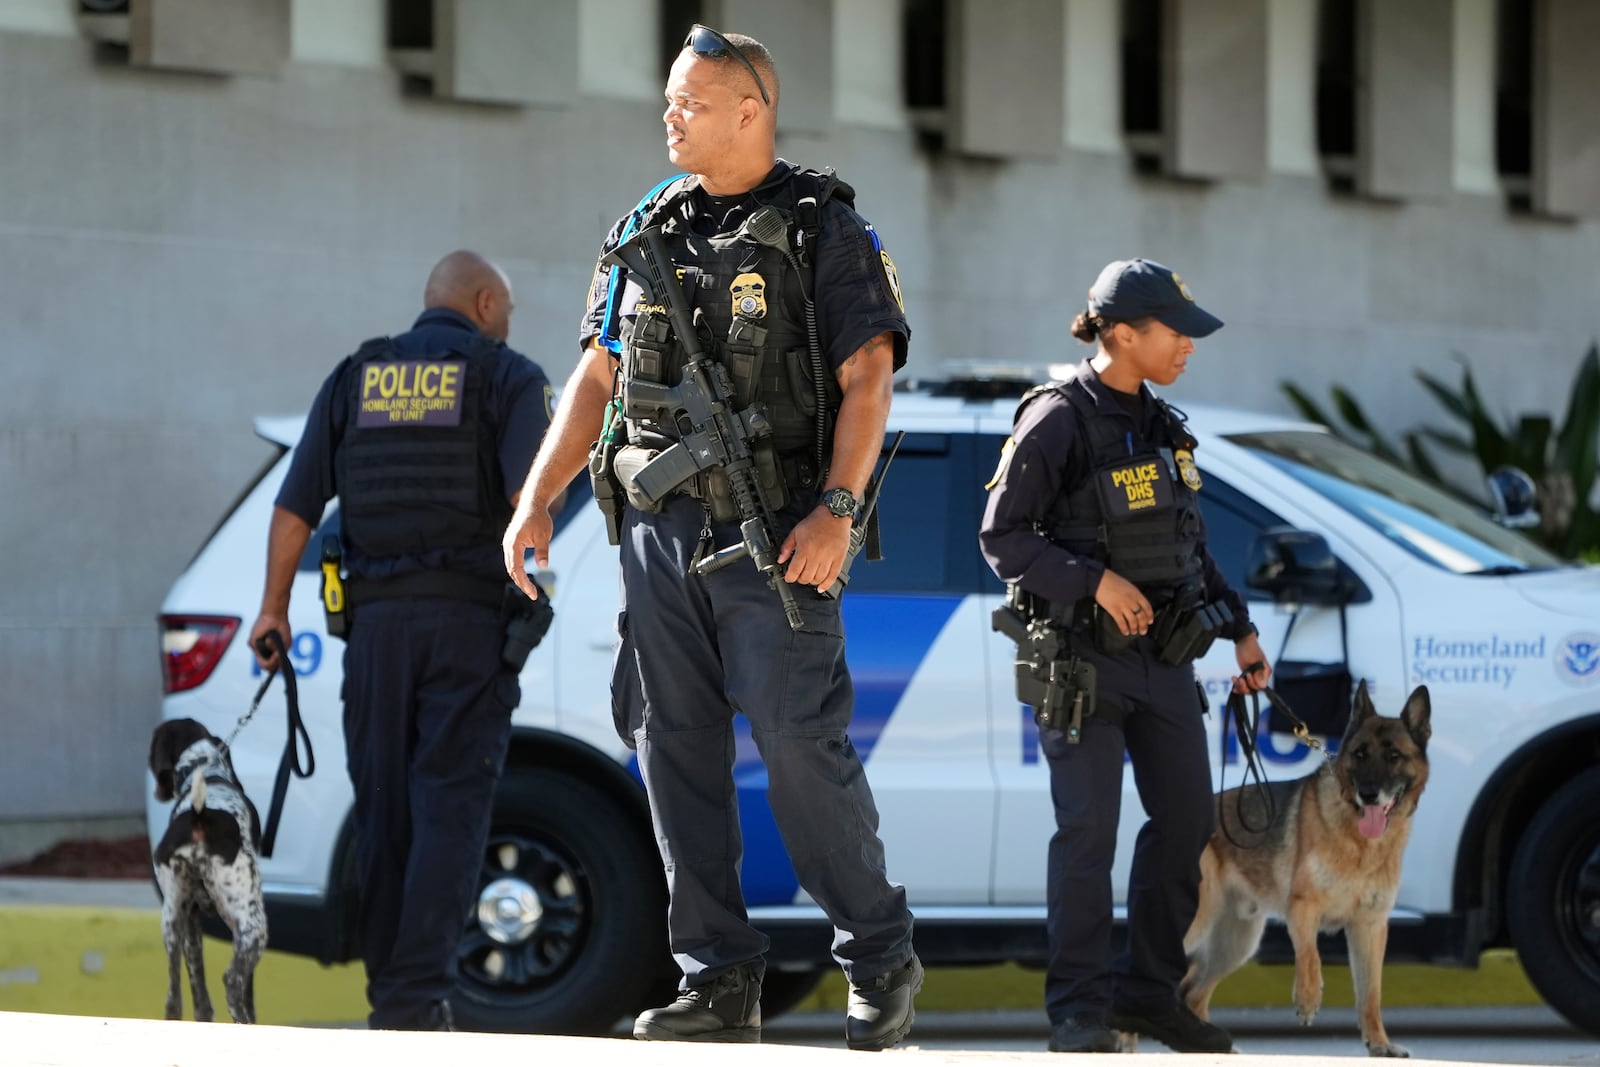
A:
1093	76
617	54
1292	87
506	51
1473	169
217	36
1214	84
869	62
1404	117
799	34
351	33
1566	107
1006	79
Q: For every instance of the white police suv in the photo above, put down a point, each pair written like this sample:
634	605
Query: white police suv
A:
568	933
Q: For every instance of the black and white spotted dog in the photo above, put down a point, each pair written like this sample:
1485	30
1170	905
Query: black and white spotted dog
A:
206	863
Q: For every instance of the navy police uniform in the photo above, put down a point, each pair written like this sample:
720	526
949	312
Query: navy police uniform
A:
1095	479
423	436
706	648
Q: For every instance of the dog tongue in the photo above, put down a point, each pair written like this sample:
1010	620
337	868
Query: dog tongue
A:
1374	821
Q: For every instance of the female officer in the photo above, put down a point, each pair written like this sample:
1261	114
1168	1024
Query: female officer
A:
1093	520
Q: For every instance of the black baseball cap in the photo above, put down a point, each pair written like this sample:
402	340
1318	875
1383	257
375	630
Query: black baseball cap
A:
1131	289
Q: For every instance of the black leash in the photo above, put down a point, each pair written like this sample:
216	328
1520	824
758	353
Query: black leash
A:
271	642
1246	724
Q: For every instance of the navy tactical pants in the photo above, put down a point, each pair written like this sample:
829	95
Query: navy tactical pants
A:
1163	734
427	722
708	648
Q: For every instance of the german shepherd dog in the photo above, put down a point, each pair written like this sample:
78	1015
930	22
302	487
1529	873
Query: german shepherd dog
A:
1323	852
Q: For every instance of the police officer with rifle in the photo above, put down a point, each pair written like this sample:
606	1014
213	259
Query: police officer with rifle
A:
744	324
1094	523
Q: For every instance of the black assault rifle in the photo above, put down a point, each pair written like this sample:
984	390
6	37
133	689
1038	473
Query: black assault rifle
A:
712	435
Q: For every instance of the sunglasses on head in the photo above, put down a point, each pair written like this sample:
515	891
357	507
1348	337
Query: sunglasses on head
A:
705	41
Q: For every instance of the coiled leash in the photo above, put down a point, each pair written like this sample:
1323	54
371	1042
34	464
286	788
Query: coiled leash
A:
1246	724
272	642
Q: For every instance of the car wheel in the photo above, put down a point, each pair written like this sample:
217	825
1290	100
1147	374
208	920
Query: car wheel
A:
782	991
1553	902
569	931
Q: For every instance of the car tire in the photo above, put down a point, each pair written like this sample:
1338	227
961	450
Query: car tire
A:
1553	901
568	934
783	991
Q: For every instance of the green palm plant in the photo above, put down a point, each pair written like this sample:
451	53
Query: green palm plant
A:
1562	462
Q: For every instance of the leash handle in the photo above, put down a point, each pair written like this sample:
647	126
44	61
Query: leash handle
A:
290	762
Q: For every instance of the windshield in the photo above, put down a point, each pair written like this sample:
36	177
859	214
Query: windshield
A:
1423	519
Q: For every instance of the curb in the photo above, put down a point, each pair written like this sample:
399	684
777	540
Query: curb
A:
92	959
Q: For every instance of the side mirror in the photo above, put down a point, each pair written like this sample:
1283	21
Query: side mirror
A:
1516	498
1298	567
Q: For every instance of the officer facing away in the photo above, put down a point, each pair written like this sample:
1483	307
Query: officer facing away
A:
752	243
1093	520
417	434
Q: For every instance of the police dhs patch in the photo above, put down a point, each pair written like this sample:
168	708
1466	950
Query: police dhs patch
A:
1133	488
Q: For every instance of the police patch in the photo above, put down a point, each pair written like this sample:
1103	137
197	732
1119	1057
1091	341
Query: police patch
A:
1135	487
1186	468
549	402
413	392
892	276
749	296
1005	464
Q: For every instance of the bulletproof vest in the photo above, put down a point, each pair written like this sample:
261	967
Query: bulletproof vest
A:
416	468
1137	512
749	302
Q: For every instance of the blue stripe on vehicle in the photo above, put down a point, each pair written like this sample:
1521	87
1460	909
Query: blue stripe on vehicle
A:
888	638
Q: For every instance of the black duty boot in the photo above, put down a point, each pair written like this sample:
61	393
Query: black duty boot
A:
1086	1031
882	1010
1174	1026
726	1009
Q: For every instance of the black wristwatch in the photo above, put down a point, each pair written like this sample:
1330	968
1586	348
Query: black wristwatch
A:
840	502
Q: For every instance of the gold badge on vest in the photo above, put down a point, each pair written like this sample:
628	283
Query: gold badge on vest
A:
1186	468
749	296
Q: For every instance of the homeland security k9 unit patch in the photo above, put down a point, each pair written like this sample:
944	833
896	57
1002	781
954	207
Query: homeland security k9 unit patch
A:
413	392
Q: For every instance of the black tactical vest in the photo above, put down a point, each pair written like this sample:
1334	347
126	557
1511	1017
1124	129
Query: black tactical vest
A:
750	300
416	468
1137	512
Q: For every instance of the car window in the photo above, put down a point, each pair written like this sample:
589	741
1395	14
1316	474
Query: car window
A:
249	487
1422	519
1232	522
928	514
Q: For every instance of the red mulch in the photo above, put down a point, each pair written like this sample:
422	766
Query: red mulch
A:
127	857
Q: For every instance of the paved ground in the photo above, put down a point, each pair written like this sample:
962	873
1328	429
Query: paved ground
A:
84	957
77	1041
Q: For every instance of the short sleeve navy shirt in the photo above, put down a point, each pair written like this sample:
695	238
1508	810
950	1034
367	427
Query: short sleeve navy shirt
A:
857	289
519	404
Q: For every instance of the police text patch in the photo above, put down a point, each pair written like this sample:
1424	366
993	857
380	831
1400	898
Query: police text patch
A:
1135	487
416	392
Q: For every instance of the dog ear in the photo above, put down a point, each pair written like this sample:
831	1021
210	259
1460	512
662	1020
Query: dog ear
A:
1418	716
1361	710
163	762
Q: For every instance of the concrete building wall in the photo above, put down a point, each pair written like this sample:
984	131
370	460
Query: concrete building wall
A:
179	253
